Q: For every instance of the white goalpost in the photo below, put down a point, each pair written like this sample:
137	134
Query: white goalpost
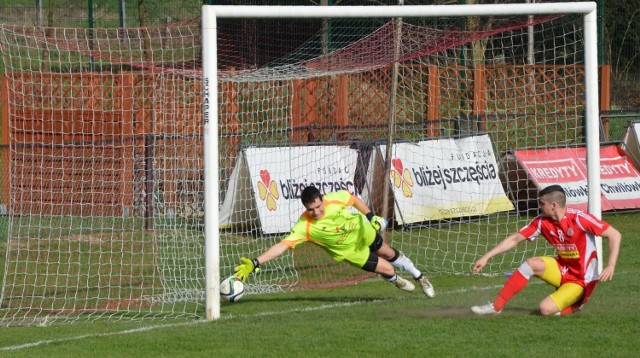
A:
142	163
211	13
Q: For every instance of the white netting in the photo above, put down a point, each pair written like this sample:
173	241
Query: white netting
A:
105	148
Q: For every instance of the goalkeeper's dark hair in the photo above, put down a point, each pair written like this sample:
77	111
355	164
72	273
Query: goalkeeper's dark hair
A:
309	195
555	193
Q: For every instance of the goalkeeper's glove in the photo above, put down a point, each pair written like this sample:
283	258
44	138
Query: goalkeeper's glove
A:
246	267
377	222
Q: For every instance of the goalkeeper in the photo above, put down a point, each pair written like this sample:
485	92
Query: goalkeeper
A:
345	236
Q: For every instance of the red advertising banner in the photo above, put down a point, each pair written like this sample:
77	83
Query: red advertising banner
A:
620	180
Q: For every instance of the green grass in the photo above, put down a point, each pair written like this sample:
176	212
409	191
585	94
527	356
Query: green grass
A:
371	319
618	121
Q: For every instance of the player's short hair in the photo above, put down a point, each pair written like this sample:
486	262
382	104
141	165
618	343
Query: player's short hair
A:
309	195
555	193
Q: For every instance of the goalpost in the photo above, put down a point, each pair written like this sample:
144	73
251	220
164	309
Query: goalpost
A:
210	71
119	142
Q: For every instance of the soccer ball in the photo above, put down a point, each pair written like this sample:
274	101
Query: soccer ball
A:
231	288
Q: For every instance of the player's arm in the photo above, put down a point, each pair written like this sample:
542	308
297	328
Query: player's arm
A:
505	245
360	205
273	252
614	238
248	266
377	222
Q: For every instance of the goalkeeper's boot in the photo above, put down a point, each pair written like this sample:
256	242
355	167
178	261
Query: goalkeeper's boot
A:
485	310
427	287
403	284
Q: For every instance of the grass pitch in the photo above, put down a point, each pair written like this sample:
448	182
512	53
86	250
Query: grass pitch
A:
371	319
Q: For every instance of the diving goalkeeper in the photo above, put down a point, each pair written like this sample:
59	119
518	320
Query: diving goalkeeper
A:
345	236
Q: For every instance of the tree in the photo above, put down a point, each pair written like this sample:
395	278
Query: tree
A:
621	20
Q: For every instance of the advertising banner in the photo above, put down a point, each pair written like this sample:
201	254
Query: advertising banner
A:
446	178
270	180
620	180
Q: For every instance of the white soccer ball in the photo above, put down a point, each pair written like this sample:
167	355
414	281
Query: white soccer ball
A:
231	288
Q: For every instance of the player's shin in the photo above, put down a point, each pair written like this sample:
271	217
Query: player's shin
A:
402	262
514	284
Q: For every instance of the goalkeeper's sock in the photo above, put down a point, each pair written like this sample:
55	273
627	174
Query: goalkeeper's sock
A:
514	284
390	278
402	262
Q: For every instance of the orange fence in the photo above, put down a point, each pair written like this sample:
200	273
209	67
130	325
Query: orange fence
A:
80	143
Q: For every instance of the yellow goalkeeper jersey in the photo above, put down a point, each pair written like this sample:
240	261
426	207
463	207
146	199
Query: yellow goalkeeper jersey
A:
340	232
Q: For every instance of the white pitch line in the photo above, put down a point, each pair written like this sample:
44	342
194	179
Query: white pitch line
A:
183	324
226	317
128	331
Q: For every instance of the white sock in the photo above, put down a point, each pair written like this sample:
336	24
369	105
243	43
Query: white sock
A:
404	263
390	279
525	270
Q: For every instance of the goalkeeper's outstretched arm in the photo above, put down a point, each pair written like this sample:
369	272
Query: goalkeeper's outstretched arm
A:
248	266
273	252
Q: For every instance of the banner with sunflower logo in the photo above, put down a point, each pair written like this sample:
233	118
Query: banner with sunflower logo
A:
265	186
445	178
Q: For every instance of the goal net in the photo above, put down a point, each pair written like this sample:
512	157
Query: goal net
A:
102	134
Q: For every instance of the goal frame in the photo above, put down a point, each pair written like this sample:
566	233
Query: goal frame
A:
210	14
